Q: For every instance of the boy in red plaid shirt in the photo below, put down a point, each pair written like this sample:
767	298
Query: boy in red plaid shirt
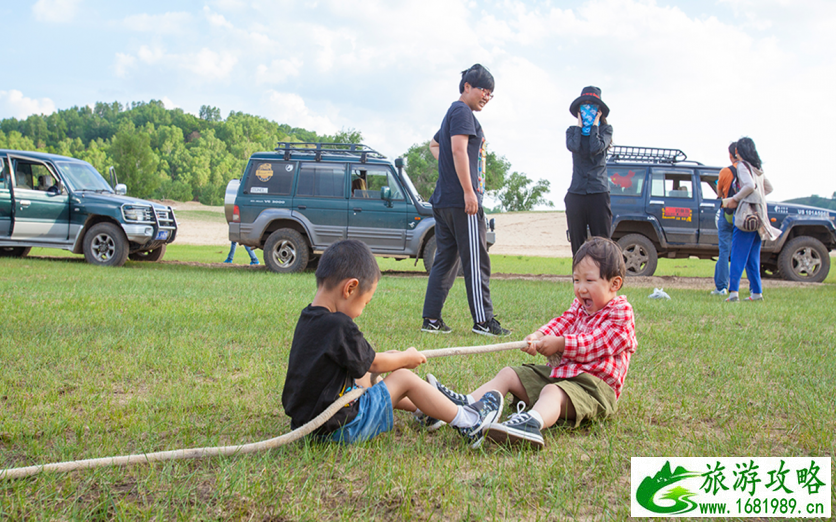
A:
588	350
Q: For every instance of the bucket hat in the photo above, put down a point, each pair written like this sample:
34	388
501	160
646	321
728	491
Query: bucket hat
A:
589	95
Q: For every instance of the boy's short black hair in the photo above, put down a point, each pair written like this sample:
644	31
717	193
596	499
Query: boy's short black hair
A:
477	76
606	254
347	259
733	148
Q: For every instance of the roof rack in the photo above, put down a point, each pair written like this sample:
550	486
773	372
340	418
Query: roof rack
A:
340	149
645	154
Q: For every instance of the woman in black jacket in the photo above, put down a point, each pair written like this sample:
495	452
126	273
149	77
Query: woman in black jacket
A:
588	198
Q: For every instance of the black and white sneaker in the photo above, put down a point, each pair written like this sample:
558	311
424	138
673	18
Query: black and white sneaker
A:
435	327
428	423
520	428
488	408
456	398
491	328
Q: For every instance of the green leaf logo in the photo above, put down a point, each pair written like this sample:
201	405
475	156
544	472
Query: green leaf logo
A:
681	497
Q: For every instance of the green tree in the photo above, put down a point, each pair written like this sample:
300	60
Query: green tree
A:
209	113
516	195
135	161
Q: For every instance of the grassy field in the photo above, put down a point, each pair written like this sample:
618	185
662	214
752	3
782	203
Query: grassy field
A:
101	362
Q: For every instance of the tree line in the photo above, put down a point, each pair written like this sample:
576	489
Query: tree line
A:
164	153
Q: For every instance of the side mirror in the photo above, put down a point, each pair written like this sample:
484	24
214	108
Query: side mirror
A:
121	189
399	163
385	193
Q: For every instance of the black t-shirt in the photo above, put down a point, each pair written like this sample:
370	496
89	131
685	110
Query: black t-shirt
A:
327	354
448	191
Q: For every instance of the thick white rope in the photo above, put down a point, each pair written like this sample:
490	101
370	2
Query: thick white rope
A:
198	453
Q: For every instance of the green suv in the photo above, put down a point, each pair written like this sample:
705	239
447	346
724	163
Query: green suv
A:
302	197
54	201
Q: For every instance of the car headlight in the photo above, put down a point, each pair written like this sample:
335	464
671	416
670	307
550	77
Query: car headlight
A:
134	213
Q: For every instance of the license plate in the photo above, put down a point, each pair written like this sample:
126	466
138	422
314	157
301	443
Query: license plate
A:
162	234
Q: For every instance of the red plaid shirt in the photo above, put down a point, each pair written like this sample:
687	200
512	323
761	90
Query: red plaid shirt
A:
599	344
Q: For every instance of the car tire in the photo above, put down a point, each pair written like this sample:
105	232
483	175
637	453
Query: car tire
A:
286	251
639	255
105	245
14	251
804	259
148	255
429	257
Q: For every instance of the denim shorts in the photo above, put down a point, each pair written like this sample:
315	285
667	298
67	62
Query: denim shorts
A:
375	416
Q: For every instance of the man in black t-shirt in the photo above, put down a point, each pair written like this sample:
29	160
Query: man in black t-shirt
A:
459	147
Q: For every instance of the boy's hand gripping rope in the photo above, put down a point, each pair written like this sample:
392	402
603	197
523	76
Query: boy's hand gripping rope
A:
199	453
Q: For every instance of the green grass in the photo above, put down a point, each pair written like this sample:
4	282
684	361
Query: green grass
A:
101	362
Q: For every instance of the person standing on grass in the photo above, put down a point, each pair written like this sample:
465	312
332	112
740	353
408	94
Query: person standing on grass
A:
746	246
588	199
329	357
231	255
588	350
459	147
726	187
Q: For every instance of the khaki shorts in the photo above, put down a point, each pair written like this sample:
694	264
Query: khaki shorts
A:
591	397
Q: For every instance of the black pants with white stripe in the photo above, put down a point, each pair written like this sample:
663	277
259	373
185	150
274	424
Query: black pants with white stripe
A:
460	235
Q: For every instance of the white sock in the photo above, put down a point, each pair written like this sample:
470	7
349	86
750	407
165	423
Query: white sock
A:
536	416
733	294
756	295
465	418
470	399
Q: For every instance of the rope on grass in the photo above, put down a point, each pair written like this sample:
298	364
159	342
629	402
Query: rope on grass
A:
199	453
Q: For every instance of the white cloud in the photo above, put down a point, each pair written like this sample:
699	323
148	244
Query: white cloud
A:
124	62
55	11
209	64
290	108
168	104
278	71
150	55
215	18
16	105
170	23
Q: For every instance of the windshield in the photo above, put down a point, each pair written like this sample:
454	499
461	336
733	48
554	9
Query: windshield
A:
82	176
411	187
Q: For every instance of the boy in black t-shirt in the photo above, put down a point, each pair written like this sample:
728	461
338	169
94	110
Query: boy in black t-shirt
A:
329	356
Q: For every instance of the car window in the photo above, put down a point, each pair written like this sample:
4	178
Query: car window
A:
34	176
270	177
326	181
671	184
4	173
366	182
708	185
626	181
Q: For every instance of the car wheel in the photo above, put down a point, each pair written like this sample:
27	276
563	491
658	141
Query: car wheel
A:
105	245
14	251
639	255
148	255
286	251
804	259
429	257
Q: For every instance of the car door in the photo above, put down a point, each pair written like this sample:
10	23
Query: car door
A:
673	202
41	204
5	197
320	199
378	222
709	206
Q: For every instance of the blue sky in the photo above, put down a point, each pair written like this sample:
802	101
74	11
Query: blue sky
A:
689	75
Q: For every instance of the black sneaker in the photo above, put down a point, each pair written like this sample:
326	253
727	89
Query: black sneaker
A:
491	328
428	423
436	327
520	428
488	408
456	398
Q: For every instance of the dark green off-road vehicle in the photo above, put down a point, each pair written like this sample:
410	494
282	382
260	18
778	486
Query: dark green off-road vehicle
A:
302	197
53	201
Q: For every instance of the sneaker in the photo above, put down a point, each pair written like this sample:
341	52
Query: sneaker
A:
732	299
456	398
719	292
228	260
520	428
436	327
428	423
488	408
491	328
754	298
254	262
